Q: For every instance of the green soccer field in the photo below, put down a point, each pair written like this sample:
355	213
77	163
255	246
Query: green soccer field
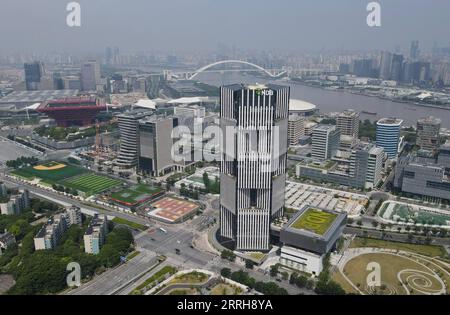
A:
135	194
49	176
91	184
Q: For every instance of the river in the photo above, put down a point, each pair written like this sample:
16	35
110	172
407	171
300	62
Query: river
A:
333	101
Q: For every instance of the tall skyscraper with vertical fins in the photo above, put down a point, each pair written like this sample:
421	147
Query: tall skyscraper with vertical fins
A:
254	124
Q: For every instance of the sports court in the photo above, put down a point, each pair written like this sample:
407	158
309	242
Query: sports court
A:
136	195
172	209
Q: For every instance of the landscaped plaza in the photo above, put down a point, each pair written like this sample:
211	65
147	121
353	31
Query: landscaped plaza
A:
196	179
197	282
403	269
399	212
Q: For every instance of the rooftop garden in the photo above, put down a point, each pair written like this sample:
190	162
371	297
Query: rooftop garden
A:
315	220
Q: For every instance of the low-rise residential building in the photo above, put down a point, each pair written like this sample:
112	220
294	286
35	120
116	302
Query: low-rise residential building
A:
15	203
6	240
74	215
95	235
50	234
3	190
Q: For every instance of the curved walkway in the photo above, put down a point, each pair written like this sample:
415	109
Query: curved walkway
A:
417	279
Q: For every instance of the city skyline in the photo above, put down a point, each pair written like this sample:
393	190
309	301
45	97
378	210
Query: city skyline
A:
202	25
215	148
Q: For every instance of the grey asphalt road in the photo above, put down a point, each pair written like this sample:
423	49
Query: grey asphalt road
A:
112	280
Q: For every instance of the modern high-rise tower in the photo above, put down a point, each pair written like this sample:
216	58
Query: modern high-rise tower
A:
34	72
254	122
90	75
385	65
129	137
414	51
388	135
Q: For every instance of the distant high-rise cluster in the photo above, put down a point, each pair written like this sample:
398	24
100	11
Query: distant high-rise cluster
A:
392	66
112	56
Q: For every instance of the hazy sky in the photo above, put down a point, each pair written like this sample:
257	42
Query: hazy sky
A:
173	25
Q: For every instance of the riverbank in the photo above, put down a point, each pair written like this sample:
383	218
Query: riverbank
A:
361	93
328	100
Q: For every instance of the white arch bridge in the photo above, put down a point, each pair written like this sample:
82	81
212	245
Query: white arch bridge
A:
272	73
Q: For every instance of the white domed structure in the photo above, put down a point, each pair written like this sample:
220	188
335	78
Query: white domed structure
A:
301	107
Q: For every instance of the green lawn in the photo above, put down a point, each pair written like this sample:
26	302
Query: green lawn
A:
196	179
158	276
315	220
49	176
135	194
194	277
129	223
390	266
427	250
133	254
91	183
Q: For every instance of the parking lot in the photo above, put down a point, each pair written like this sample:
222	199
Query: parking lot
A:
299	194
12	151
